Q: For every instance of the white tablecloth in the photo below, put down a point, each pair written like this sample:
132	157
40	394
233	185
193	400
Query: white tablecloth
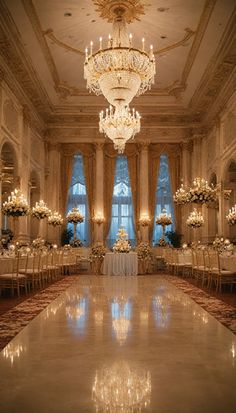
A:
120	264
228	263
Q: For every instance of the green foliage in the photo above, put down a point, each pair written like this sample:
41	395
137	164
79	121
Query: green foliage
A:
175	238
66	236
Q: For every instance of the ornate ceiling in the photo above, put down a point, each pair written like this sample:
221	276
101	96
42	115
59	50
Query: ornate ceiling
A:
42	42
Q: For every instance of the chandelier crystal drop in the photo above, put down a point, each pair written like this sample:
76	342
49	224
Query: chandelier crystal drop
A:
120	125
119	71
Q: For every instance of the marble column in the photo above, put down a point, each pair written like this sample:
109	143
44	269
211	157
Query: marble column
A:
186	178
143	179
98	210
52	176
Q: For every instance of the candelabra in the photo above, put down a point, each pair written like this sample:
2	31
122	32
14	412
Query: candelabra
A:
195	219
164	220
40	210
181	196
144	220
231	217
75	217
55	219
16	206
201	193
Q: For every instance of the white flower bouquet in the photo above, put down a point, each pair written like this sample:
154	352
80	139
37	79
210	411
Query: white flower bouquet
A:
16	205
98	251
201	192
74	216
195	219
40	210
144	251
221	245
55	219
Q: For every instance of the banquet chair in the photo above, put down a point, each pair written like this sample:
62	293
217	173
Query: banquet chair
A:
202	270
33	272
219	276
14	280
184	259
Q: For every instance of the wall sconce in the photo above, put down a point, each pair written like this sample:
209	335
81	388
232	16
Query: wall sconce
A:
144	220
98	219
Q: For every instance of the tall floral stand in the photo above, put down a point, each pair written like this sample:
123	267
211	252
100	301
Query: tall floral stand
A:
75	230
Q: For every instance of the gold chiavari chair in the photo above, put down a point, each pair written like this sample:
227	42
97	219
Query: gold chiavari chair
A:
15	280
219	276
33	271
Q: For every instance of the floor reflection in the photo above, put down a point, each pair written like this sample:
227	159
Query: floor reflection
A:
121	389
13	351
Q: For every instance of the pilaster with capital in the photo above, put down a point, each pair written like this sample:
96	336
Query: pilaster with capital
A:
144	207
187	148
52	185
98	207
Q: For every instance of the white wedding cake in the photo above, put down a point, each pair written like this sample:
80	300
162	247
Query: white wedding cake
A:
122	244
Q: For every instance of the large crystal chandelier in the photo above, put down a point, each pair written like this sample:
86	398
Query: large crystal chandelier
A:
119	71
119	124
200	192
121	389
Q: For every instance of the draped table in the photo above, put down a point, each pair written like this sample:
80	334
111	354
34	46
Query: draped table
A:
120	264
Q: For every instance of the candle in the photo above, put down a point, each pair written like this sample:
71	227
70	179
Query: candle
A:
100	43
130	39
143	42
91	48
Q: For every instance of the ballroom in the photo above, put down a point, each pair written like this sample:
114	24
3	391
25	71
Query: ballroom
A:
118	206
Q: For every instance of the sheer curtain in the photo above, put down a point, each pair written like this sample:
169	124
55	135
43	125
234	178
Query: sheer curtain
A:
122	204
164	197
78	198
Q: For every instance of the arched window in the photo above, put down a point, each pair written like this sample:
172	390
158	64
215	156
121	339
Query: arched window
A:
164	198
122	205
78	198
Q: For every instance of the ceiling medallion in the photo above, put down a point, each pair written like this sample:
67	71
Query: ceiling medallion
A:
119	125
132	9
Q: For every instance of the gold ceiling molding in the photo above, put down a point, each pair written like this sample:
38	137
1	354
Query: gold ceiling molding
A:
131	9
188	34
201	29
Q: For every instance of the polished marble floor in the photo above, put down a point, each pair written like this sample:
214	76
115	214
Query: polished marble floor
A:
113	344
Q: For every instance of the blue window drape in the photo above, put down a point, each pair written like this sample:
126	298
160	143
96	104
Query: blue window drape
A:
122	204
78	198
164	198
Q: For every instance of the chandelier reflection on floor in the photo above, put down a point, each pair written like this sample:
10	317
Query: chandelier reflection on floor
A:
120	389
120	125
121	327
119	71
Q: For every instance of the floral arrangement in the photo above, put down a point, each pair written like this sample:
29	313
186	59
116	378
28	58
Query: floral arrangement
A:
144	251
55	219
74	216
16	205
76	244
38	243
164	218
221	244
98	251
195	219
201	192
40	210
66	247
184	246
231	217
122	245
182	196
144	220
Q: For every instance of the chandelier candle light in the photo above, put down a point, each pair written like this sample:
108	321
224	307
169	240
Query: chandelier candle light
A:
16	206
195	219
75	217
55	219
119	124
119	71
231	217
40	210
181	197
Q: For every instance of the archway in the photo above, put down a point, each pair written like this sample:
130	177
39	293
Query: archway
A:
213	213
9	168
230	183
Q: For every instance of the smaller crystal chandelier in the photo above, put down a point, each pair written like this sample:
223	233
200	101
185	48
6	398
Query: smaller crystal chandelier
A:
16	205
181	197
195	219
120	125
201	193
231	217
